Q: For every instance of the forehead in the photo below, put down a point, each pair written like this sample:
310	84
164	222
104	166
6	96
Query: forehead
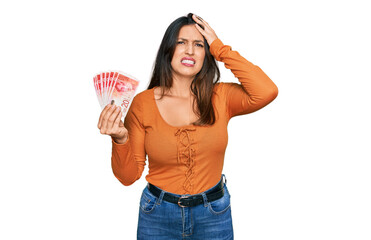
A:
190	32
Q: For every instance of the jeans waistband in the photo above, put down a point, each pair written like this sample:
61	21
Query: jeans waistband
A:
223	177
187	200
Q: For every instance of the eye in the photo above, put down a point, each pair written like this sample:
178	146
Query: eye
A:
180	42
199	45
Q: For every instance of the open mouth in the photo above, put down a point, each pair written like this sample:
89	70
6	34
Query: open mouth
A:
189	62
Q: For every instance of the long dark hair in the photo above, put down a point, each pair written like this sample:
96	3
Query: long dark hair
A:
203	83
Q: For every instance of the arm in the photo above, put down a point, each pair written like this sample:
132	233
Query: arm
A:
256	89
128	159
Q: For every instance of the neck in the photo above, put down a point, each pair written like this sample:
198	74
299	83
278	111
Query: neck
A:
181	87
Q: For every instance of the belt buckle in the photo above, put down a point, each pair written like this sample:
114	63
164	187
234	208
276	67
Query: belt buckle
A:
179	204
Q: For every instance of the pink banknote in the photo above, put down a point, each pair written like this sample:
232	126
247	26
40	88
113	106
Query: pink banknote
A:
116	86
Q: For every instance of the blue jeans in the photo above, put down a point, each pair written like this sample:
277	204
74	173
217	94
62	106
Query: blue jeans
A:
159	219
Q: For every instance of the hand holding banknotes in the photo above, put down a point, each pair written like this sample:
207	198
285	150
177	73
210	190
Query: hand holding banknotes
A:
110	123
115	91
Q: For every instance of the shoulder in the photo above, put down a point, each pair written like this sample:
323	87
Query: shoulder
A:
145	95
217	87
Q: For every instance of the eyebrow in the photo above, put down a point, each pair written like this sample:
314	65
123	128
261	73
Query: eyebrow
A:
184	39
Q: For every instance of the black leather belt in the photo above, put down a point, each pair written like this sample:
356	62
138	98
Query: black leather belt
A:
191	200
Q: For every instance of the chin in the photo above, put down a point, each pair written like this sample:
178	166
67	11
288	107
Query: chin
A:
186	74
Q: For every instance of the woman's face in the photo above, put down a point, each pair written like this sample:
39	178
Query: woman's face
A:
189	53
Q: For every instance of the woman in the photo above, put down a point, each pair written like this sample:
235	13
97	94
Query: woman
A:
180	122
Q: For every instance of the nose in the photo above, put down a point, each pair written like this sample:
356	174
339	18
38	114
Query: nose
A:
189	49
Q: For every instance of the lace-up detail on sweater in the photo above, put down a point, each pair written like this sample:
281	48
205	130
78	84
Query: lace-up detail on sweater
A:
186	155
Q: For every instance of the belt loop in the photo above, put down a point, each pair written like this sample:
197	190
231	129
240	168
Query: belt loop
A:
159	200
225	179
205	199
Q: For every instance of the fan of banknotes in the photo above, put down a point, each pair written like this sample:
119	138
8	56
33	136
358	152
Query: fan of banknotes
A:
116	87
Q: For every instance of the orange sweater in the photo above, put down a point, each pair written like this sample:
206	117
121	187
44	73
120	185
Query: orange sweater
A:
189	159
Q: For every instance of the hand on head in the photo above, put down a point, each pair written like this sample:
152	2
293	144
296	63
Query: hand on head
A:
207	32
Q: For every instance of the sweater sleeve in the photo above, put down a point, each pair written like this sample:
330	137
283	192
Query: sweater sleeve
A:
128	159
256	89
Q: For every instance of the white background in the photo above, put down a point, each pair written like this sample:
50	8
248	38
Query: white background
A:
297	169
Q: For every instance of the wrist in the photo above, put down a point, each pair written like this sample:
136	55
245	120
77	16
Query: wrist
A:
211	40
215	48
120	140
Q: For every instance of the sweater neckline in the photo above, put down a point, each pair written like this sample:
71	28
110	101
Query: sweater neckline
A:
157	110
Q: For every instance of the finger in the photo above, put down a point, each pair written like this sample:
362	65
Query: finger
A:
205	30
202	31
121	123
116	130
198	21
118	121
206	23
105	117
103	113
116	118
110	118
201	21
197	18
107	108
